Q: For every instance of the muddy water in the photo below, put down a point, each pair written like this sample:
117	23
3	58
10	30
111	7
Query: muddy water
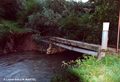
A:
32	66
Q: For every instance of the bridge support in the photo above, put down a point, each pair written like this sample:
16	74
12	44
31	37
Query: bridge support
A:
52	49
104	43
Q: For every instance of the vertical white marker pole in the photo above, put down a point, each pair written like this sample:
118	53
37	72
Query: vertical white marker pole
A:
105	35
104	43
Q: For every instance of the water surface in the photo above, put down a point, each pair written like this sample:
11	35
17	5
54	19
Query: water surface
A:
33	66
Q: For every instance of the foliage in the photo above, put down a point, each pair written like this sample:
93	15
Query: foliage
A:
6	29
106	11
29	7
44	22
70	25
8	8
78	27
10	26
79	21
91	70
58	6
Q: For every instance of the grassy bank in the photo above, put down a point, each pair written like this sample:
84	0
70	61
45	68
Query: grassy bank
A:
91	70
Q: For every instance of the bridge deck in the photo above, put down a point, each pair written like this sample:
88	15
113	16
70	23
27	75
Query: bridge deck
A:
72	45
85	51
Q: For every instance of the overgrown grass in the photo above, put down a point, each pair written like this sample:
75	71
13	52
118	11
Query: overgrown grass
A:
92	70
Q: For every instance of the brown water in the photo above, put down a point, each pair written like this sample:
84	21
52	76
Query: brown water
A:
32	66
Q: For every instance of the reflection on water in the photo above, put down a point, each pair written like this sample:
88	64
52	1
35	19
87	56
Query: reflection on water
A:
32	65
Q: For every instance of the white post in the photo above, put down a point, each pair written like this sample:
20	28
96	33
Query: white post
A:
105	35
104	43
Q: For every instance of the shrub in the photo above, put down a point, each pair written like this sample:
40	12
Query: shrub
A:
70	25
7	27
10	26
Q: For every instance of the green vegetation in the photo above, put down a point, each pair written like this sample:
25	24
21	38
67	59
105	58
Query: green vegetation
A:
10	26
67	24
7	27
92	70
79	21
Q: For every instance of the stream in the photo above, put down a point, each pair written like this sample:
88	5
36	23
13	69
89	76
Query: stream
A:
32	66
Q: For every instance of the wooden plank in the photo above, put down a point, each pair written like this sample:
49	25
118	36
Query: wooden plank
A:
76	43
109	49
73	43
87	52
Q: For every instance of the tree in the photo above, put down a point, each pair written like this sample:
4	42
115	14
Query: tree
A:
106	10
9	8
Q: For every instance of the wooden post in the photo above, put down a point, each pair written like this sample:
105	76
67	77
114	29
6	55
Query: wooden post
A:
49	50
118	33
104	43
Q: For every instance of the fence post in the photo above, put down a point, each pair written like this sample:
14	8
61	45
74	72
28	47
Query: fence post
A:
118	35
104	43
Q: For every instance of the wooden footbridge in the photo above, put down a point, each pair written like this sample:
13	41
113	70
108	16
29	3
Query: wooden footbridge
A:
77	46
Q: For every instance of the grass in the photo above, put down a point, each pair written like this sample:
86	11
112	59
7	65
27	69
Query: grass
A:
92	70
